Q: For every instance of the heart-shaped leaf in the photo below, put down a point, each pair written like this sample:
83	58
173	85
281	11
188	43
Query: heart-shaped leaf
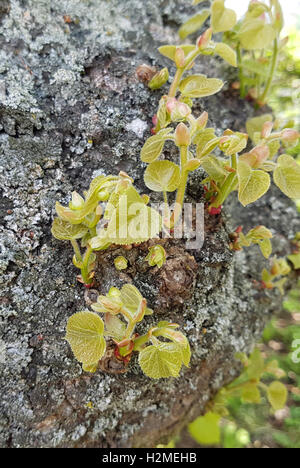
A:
85	336
256	34
227	53
193	24
222	19
253	184
153	147
287	176
63	230
161	360
277	395
162	176
196	86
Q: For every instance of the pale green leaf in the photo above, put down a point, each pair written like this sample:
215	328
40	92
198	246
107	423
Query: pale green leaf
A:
196	86
206	429
161	361
130	222
169	50
114	327
266	247
277	395
256	365
256	34
162	176
193	24
287	176
253	184
222	19
227	53
255	124
85	336
295	259
196	2
214	168
153	147
251	394
65	231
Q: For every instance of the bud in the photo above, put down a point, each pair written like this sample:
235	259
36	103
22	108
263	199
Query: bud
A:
146	199
108	304
204	39
114	292
182	135
267	129
159	79
180	112
171	104
215	211
121	263
77	202
103	195
155	120
156	256
145	73
262	153
202	120
289	135
179	57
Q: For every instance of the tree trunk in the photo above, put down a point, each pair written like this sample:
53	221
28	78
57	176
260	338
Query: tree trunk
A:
72	108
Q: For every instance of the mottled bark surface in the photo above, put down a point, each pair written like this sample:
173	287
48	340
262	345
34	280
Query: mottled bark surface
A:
71	108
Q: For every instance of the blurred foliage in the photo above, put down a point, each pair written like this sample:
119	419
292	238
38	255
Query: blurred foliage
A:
254	425
285	95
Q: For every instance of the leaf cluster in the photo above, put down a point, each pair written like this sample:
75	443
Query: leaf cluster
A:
122	310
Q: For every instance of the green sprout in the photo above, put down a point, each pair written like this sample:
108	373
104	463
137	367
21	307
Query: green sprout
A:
121	263
122	310
80	219
255	39
247	173
156	256
273	278
259	235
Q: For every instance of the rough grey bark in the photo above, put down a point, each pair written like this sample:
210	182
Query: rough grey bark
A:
62	85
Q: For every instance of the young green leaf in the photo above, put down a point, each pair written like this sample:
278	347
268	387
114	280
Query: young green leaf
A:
227	53
266	248
287	176
251	394
222	19
85	336
193	24
253	184
162	176
256	34
131	298
256	365
206	429
255	124
214	168
277	395
295	259
196	86
170	50
153	147
161	360
63	230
